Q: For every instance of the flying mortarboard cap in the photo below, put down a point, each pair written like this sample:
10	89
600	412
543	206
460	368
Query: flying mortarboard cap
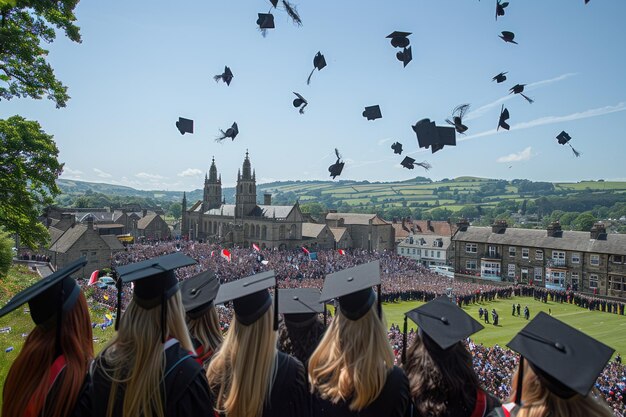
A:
46	296
397	148
335	169
300	101
198	293
563	137
408	162
500	8
565	359
265	21
428	134
319	62
226	76
504	116
353	288
372	113
399	39
184	125
507	36
299	304
405	56
500	77
250	296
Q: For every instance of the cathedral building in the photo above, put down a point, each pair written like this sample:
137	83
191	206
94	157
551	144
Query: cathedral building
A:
244	222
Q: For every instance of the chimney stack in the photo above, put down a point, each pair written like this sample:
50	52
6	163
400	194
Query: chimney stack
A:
598	231
554	229
267	199
462	224
499	226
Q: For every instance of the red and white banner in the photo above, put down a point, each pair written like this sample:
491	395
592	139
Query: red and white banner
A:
341	252
256	247
94	277
305	250
226	254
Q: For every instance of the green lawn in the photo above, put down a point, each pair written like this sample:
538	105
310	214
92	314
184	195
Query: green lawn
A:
606	327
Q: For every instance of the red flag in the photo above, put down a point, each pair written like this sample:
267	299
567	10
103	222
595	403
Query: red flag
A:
341	252
305	250
212	253
256	247
94	277
226	254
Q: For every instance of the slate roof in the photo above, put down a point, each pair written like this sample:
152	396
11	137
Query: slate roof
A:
145	221
223	210
55	234
356	218
279	212
312	229
428	241
67	240
112	242
338	232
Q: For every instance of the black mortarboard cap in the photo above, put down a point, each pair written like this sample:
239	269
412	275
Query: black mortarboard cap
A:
250	296
405	56
297	303
399	39
198	293
500	77
565	359
519	89
408	162
508	37
563	137
46	296
184	125
265	21
231	133
353	288
335	169
300	101
500	8
397	148
226	76
504	116
428	134
372	113
319	62
444	322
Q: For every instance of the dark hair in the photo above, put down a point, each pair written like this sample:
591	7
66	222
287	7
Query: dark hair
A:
443	382
300	339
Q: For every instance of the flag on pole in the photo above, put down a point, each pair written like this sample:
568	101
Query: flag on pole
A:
94	277
305	250
256	247
341	252
226	254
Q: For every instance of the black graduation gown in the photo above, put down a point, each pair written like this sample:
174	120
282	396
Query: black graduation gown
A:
393	400
186	391
83	403
487	408
300	342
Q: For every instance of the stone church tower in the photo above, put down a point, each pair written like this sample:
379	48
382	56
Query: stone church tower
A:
245	200
212	197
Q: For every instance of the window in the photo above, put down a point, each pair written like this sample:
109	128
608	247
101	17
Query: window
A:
83	253
525	253
414	251
471	248
616	283
575	258
558	258
94	253
555	279
618	259
432	253
575	281
538	274
470	264
593	281
493	251
512	251
511	271
490	269
438	254
594	260
539	255
402	251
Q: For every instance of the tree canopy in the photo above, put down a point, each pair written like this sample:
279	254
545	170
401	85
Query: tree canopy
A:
24	26
28	172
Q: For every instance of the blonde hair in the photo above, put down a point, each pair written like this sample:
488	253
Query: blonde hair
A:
242	372
539	401
135	357
352	360
206	329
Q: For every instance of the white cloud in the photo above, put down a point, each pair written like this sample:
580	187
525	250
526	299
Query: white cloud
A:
383	141
146	176
190	172
524	155
101	173
69	172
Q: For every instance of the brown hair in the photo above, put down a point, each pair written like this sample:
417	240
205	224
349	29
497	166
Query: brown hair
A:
27	381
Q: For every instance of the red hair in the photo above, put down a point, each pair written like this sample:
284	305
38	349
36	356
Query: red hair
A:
27	381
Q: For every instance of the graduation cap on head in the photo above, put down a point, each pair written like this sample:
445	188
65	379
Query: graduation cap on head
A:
300	102
51	296
231	133
352	287
319	62
154	283
397	148
265	21
519	89
500	6
564	138
508	37
250	297
336	168
399	39
226	76
428	134
372	113
500	77
566	360
504	116
198	293
405	56
300	304
184	125
457	118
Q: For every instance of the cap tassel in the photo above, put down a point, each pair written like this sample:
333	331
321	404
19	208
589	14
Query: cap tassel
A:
520	378
404	330
308	80
163	317
118	314
325	314
218	77
576	153
276	307
302	108
424	165
380	303
530	100
292	12
57	342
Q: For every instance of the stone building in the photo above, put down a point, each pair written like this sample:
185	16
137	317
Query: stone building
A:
367	231
592	262
152	226
318	236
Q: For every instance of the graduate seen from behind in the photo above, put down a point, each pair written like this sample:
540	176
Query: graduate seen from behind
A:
49	377
439	366
352	371
149	369
558	368
198	293
248	376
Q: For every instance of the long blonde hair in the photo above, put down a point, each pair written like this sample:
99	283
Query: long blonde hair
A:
206	329
538	401
241	373
352	360
135	357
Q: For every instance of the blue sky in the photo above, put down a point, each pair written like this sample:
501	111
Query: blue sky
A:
142	64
